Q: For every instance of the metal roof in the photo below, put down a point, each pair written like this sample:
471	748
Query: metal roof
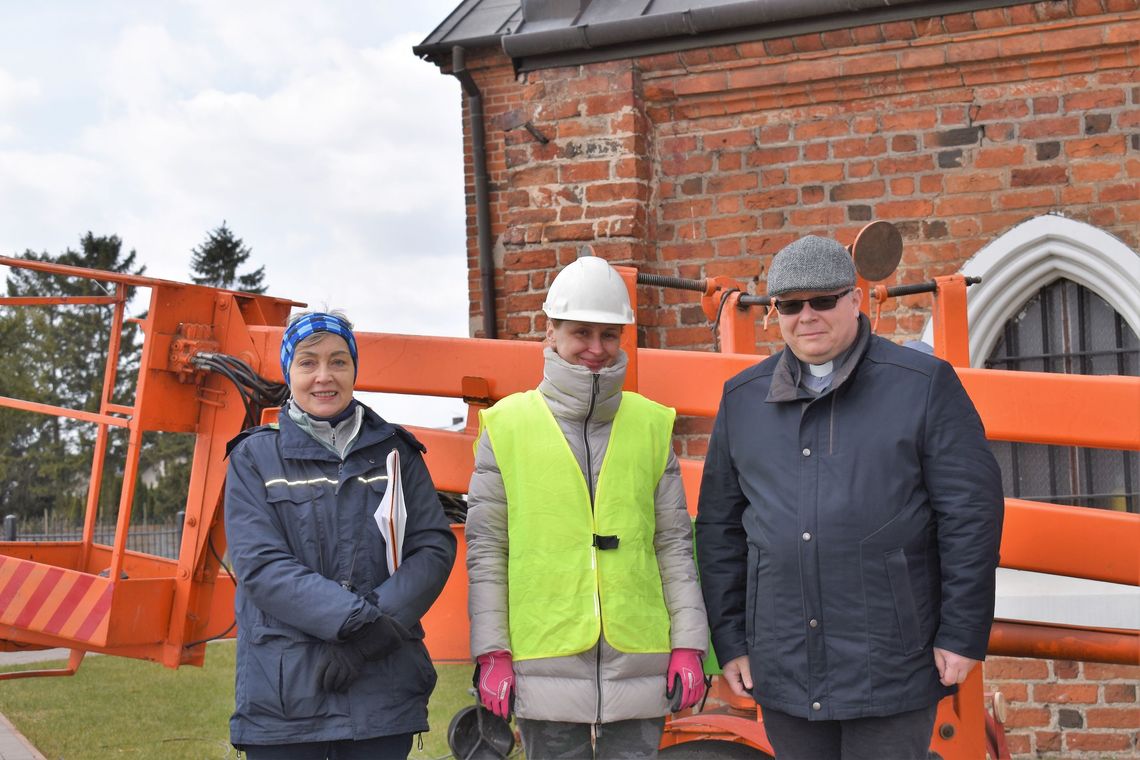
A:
473	23
543	33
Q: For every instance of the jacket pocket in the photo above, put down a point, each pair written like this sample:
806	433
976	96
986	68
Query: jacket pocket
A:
402	680
902	592
750	600
761	624
257	685
760	603
301	696
297	506
282	493
277	678
375	544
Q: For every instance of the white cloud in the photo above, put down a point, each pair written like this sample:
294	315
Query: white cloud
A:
15	90
272	38
310	128
148	66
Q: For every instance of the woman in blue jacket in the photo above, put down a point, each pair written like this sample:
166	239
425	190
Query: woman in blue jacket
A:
330	661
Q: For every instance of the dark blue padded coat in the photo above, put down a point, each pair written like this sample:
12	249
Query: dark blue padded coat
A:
310	565
841	538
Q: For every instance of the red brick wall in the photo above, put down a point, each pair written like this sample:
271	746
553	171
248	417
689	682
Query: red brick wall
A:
1060	708
706	162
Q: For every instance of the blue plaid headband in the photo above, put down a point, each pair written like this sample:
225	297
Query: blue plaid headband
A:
310	324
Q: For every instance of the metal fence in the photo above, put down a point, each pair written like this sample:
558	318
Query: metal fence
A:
160	540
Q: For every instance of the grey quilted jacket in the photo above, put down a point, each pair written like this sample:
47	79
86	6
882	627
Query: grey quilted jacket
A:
600	685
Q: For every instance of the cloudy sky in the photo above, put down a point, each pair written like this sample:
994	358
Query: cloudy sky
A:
310	128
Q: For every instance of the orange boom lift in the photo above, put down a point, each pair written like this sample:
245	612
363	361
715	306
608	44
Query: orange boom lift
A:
93	597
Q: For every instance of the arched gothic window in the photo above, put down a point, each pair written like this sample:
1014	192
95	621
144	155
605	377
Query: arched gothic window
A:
1066	327
1059	295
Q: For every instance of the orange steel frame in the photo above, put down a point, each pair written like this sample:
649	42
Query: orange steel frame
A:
93	597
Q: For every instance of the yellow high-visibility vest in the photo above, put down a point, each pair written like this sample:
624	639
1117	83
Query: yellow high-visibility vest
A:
563	589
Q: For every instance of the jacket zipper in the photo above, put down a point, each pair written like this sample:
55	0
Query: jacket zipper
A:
345	583
598	678
594	549
586	441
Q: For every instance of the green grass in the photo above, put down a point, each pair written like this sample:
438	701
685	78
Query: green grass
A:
115	707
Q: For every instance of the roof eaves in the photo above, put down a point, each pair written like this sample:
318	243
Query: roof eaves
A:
440	52
712	26
566	42
473	24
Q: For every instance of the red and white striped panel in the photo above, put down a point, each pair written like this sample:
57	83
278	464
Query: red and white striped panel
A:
51	600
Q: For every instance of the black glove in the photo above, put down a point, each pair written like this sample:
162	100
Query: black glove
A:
378	639
341	664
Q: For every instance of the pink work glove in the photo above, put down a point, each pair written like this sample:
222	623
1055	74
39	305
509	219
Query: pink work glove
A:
685	679
495	680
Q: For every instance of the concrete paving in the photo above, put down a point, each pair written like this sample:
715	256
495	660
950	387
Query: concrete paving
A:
13	744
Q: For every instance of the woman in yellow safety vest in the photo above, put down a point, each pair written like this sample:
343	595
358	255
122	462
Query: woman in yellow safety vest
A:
586	617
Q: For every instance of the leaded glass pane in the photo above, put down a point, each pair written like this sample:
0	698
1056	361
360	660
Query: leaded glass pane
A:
1067	328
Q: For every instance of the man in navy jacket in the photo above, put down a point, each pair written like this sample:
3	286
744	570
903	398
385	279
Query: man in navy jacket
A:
848	528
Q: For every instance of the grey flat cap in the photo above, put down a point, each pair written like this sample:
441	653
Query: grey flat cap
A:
811	263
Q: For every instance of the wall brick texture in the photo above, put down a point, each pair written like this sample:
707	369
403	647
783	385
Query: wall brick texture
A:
1066	709
705	162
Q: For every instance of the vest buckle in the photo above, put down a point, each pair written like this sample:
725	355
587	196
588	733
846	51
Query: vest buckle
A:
606	542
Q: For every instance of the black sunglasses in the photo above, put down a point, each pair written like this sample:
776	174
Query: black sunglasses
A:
819	303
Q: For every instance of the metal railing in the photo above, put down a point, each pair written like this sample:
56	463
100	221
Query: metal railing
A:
163	540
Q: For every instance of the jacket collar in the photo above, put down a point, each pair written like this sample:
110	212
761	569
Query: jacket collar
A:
337	437
298	443
786	377
569	388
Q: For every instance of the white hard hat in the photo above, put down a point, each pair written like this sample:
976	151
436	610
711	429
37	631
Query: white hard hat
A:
589	290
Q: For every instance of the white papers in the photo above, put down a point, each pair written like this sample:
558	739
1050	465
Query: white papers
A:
392	514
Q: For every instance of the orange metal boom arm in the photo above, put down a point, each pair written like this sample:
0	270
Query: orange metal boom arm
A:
54	595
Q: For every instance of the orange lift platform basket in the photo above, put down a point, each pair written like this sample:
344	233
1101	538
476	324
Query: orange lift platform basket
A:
92	597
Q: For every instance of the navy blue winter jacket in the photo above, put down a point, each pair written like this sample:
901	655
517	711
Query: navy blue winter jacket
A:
309	561
841	538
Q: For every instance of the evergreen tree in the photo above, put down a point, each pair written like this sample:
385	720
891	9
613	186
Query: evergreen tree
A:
47	459
216	261
16	427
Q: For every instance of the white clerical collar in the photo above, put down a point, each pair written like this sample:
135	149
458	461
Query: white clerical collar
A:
821	370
